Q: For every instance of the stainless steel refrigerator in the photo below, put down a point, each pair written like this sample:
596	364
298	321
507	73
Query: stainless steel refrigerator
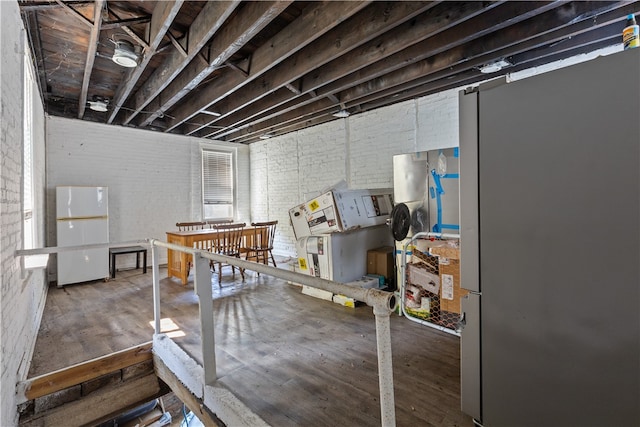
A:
82	219
550	241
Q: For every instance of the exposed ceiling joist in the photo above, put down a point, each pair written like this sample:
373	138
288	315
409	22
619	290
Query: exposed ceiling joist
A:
91	55
316	19
163	15
204	26
235	70
243	27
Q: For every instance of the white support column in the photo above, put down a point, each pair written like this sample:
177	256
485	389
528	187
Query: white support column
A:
202	283
385	366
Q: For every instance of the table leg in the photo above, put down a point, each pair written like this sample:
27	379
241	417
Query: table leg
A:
144	262
113	266
184	267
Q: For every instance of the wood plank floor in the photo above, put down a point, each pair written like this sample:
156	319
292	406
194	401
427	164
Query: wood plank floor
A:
293	359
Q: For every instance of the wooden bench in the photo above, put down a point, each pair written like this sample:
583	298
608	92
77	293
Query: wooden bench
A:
128	250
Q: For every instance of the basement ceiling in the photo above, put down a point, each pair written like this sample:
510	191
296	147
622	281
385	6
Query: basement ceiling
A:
239	70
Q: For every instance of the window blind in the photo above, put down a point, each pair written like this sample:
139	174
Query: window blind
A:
217	178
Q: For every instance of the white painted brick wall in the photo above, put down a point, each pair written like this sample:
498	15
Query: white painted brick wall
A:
374	138
438	121
281	165
322	158
154	179
22	294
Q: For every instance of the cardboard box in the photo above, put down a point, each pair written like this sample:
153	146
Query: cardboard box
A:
341	210
346	301
445	252
317	293
449	268
426	310
421	277
380	261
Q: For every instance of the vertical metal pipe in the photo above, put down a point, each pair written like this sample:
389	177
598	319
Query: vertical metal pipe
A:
202	283
385	365
156	286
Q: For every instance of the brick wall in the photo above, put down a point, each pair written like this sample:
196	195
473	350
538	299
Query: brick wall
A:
154	179
356	151
22	293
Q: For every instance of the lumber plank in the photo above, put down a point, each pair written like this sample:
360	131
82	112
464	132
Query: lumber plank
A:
101	405
81	372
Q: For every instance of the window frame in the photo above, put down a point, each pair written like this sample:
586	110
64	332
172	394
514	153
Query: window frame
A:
29	215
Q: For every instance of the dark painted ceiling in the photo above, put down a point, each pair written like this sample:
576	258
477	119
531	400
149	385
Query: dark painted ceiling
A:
238	70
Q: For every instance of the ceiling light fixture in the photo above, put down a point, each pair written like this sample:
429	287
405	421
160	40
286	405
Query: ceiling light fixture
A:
266	135
98	105
125	54
494	67
341	114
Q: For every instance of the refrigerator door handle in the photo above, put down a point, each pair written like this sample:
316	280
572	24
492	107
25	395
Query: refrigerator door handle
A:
462	321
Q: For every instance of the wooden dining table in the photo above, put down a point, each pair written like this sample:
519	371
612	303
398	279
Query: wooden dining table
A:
178	261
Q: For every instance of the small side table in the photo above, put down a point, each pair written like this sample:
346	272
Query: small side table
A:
128	250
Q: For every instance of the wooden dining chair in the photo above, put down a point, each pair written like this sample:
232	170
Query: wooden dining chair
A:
228	241
190	226
261	245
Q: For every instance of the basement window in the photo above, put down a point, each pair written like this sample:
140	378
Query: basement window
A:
29	213
218	199
28	240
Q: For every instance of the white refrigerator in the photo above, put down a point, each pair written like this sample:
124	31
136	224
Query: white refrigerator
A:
82	219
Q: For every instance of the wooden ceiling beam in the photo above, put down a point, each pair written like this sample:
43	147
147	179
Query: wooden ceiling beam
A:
557	22
75	13
46	4
204	26
316	19
163	15
176	43
91	56
420	88
491	22
141	41
246	24
112	25
448	64
367	25
31	21
440	27
474	76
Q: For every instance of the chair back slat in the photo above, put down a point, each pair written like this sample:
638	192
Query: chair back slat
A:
213	223
190	226
263	234
229	238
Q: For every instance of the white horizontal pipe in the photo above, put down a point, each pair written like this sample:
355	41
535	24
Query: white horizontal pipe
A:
372	297
56	249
